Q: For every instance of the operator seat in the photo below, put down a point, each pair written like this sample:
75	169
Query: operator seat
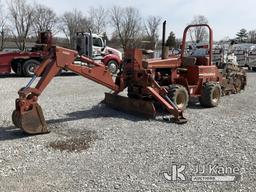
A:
202	60
186	62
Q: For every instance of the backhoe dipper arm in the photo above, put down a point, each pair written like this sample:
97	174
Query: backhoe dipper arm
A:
28	114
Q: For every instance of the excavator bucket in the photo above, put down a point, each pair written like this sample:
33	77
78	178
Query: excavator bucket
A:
129	105
32	121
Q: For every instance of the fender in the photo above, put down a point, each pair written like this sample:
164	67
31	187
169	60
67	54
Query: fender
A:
110	57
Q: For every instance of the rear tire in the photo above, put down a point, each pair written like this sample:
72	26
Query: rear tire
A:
179	95
113	66
29	67
17	67
210	96
131	94
14	65
254	69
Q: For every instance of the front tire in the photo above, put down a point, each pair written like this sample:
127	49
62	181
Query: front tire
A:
254	69
179	95
113	66
210	96
29	67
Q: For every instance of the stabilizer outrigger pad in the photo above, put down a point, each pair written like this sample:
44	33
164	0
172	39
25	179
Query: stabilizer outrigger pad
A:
139	107
180	120
31	122
132	106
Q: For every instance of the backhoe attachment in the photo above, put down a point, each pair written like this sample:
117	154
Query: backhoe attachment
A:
28	115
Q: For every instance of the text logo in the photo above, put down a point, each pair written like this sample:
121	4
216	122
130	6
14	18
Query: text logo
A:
177	173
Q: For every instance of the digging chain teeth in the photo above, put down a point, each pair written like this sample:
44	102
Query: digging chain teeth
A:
236	76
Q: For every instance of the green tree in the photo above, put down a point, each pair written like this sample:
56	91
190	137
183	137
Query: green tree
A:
171	41
242	35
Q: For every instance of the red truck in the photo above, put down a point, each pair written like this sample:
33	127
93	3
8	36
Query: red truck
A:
23	63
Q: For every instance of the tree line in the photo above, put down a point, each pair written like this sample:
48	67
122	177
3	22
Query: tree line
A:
21	20
244	36
200	34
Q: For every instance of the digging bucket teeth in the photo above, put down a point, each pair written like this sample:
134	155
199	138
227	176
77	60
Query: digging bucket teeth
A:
132	106
30	121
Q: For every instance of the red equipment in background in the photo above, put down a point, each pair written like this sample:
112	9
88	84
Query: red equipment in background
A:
23	63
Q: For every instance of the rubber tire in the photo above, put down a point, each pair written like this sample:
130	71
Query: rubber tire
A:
174	91
254	69
14	65
206	99
130	93
113	62
26	67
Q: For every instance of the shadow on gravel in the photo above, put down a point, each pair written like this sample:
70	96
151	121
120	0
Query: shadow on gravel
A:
98	111
11	133
195	106
12	75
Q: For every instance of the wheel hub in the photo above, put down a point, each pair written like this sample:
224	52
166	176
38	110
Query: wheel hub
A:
216	95
180	101
112	67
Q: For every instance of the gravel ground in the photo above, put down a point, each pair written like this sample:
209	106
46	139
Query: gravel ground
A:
94	148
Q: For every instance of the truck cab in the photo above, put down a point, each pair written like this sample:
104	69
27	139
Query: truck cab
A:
93	46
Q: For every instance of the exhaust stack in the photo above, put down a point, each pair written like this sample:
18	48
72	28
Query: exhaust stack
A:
165	49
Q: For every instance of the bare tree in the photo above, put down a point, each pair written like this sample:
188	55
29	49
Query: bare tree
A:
21	15
200	33
127	24
252	36
98	18
152	26
4	28
44	19
73	22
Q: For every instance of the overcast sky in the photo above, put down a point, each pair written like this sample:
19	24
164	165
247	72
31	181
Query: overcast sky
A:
226	17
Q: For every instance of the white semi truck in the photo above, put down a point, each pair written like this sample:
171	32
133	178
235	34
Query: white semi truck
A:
93	46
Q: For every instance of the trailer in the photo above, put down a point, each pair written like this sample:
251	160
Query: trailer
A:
24	63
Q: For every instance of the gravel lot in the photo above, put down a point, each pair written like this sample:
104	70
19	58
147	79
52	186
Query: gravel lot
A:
94	148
